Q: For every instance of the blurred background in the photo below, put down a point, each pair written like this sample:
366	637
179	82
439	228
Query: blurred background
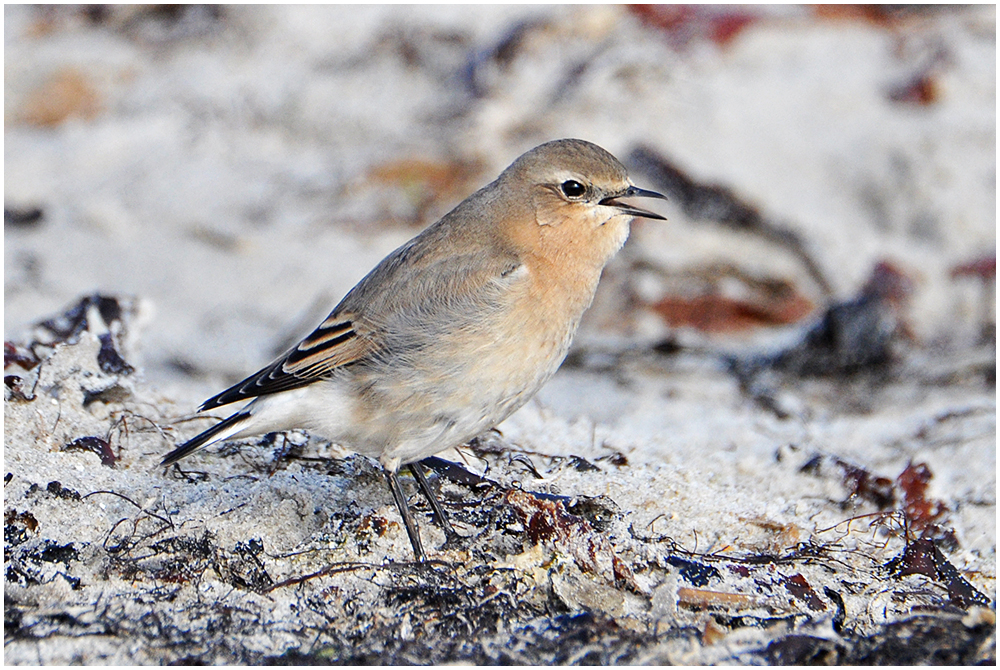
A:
240	168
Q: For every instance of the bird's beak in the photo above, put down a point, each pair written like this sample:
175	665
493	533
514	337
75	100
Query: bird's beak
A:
635	192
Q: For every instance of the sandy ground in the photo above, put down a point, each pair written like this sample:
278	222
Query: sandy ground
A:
680	492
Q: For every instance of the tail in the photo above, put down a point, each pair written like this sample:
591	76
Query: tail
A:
219	431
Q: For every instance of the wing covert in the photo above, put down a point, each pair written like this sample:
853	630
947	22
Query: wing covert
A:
335	343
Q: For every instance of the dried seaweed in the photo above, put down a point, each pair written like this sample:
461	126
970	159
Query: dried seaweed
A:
96	445
923	557
713	202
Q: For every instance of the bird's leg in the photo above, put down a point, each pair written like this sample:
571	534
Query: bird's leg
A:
404	511
449	531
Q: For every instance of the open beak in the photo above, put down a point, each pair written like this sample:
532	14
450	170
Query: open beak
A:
635	192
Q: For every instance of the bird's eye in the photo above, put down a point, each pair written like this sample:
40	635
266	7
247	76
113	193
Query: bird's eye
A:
573	188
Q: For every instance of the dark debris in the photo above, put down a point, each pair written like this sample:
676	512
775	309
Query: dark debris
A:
863	485
903	498
17	526
15	386
66	327
586	639
55	489
695	573
717	203
923	557
684	25
804	650
855	335
94	444
109	359
801	590
924	516
23	217
14	354
855	343
919	640
25	561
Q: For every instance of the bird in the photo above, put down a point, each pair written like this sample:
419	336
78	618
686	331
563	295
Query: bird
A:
456	329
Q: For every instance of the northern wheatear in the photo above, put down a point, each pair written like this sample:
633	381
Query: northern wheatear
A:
456	329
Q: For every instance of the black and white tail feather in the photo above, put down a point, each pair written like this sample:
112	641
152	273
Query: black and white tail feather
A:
333	344
219	431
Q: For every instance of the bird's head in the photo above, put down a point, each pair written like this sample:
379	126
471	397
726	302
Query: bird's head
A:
576	189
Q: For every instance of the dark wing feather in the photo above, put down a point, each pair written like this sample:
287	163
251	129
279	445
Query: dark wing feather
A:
333	344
